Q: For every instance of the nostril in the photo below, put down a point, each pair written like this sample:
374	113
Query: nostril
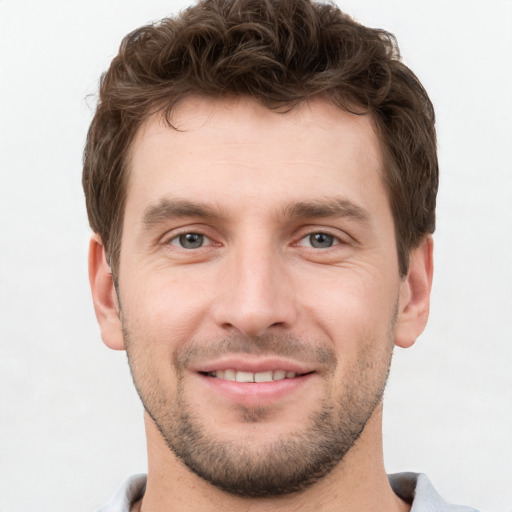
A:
251	312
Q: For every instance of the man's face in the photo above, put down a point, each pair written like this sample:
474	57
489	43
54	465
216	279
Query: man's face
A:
258	246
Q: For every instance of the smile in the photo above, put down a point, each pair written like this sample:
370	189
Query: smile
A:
256	382
244	376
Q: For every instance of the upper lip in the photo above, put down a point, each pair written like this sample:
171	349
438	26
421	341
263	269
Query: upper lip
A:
253	364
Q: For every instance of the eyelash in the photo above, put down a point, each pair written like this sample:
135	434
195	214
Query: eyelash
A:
179	240
333	239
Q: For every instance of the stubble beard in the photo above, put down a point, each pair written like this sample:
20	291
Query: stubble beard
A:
286	464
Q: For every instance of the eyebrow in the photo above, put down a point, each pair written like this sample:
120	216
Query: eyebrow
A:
168	209
333	207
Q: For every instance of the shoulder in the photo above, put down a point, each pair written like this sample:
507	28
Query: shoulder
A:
128	493
416	488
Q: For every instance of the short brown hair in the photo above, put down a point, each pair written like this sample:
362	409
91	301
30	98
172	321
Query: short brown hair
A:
279	52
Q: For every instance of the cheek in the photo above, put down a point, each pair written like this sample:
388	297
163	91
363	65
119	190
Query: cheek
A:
163	310
351	306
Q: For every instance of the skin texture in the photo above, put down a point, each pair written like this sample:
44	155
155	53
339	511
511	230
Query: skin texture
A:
290	262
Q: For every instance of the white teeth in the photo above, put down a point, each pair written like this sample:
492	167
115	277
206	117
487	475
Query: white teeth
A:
229	375
240	376
263	377
244	376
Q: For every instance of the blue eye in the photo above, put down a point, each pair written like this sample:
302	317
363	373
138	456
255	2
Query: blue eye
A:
319	241
189	240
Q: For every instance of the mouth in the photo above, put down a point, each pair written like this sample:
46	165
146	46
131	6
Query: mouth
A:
257	384
234	375
247	380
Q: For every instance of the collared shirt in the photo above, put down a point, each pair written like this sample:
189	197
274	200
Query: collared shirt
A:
414	488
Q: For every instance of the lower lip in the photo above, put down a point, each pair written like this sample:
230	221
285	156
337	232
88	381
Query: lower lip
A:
255	393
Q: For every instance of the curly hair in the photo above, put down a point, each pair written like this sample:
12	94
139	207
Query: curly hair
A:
280	53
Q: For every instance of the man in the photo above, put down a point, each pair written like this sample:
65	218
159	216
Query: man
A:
261	179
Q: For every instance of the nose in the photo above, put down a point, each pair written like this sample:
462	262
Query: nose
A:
255	293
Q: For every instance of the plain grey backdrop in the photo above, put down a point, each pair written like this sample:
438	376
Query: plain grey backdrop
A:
71	425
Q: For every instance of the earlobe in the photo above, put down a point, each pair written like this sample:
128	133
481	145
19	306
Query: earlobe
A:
414	303
104	295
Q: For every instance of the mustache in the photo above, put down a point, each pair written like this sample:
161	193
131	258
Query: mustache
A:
266	345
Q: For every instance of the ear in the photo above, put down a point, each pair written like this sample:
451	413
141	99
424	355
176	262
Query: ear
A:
104	295
414	302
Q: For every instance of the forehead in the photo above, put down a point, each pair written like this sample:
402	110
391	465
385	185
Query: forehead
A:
239	149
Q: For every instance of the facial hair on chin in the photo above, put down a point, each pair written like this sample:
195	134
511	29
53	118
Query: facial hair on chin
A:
283	465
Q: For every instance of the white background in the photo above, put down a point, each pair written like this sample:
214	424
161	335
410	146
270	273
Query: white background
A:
71	425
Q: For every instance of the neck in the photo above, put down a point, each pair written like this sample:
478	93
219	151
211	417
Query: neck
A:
358	482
